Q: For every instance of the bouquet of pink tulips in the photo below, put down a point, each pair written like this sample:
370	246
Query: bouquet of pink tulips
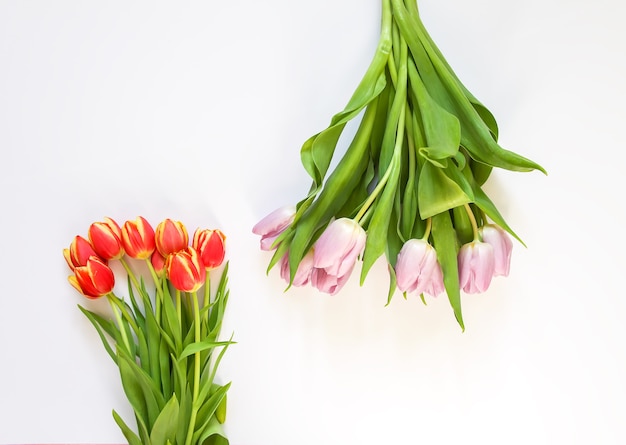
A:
409	185
165	347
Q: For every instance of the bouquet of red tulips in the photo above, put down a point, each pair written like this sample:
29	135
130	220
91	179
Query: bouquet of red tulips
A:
409	186
164	346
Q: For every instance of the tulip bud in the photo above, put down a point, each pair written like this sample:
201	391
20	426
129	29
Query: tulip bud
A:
93	280
158	263
138	238
170	236
303	274
328	283
106	239
79	252
417	268
271	226
476	267
210	247
185	270
502	247
339	246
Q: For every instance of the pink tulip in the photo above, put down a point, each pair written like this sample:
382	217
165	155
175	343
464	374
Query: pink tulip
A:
502	247
417	269
327	283
303	274
476	267
270	227
338	248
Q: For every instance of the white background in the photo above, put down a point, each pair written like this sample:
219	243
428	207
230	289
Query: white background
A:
197	111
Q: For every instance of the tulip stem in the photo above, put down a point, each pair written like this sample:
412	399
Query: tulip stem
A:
118	318
472	219
130	274
207	297
196	374
383	181
429	225
159	289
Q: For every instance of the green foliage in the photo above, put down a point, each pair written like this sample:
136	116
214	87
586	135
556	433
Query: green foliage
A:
168	350
423	150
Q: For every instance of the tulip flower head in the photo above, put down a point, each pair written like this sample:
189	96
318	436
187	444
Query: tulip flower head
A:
476	267
271	226
303	274
94	279
502	247
138	238
417	269
210	245
185	270
79	252
328	283
158	263
339	246
170	236
106	239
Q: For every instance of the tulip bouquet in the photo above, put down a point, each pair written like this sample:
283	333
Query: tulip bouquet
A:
409	185
166	347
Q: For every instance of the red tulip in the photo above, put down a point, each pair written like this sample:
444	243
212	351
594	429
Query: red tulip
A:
106	239
158	262
185	270
79	252
94	279
170	237
138	238
210	246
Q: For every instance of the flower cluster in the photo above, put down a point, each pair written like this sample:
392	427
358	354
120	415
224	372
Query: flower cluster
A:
164	346
409	185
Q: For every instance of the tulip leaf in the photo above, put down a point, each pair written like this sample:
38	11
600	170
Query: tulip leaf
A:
377	230
444	88
336	191
213	434
446	245
102	325
203	346
392	283
165	425
130	436
437	192
141	388
206	414
442	129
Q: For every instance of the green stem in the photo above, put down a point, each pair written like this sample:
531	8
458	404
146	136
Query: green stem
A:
159	289
429	225
207	297
399	136
130	273
472	219
110	297
196	374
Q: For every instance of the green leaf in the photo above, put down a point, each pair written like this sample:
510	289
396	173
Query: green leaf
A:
336	192
207	411
102	325
166	424
437	192
376	241
213	434
202	346
442	129
130	436
443	87
142	392
392	283
445	243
